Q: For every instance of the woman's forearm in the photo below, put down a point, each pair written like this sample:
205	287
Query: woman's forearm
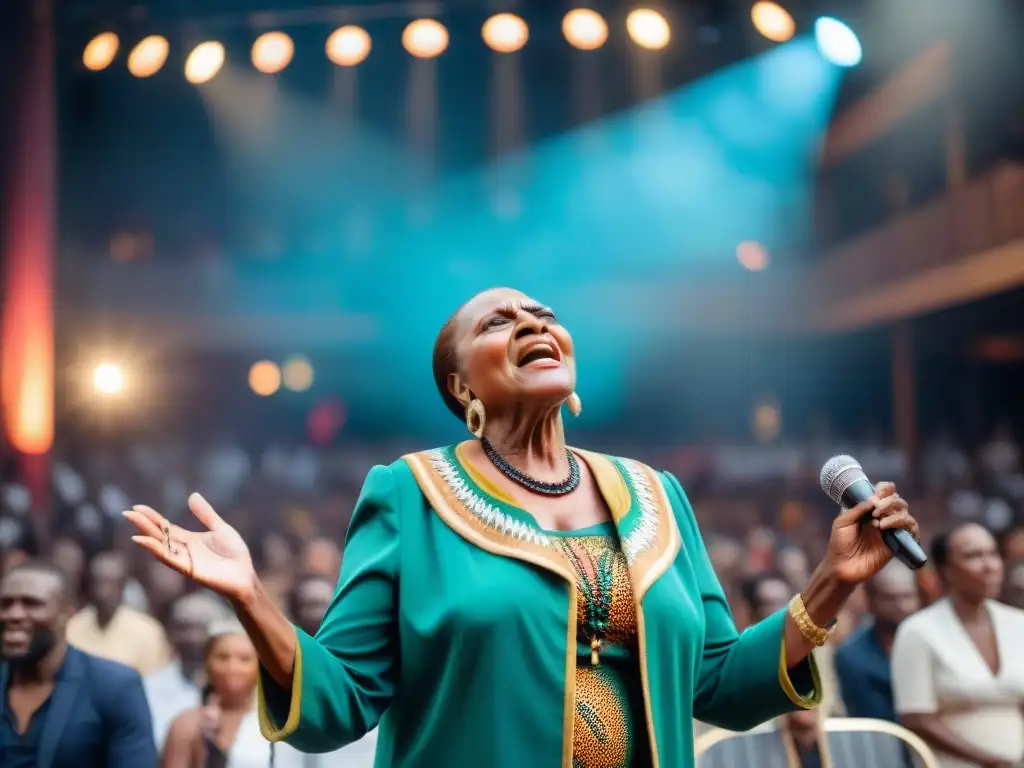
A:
824	596
272	635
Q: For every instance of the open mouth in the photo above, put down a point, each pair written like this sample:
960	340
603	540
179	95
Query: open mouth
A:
16	636
540	355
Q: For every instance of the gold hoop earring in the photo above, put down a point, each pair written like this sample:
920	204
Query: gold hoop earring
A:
574	404
476	418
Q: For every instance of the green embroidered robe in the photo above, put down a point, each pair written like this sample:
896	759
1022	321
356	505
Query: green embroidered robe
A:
454	627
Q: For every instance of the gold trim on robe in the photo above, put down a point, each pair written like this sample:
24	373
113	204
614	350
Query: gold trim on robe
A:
481	513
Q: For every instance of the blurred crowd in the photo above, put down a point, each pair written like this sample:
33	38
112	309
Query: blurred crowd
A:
764	519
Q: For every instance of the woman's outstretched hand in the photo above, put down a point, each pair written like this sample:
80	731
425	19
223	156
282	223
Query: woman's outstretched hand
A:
856	552
217	557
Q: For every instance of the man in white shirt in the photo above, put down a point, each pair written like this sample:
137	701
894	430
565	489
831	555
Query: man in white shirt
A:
307	604
177	686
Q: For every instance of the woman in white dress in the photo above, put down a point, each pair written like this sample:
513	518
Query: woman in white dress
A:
957	666
224	731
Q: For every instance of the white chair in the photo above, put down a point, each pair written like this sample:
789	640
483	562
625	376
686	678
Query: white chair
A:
845	743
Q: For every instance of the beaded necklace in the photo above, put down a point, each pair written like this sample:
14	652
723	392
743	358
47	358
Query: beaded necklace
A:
597	596
548	489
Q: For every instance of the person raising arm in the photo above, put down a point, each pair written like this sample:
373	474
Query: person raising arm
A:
529	602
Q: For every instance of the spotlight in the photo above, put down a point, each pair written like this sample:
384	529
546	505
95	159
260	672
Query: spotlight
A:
108	379
265	378
648	29
772	21
585	29
272	52
837	42
348	46
425	38
297	374
149	56
505	33
752	256
100	52
205	61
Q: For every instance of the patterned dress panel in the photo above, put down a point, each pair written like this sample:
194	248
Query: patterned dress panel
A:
606	693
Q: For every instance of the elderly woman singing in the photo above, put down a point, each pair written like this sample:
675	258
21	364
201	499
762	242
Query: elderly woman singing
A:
512	601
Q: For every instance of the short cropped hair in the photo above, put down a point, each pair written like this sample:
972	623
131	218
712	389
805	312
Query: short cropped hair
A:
300	582
750	586
446	363
48	568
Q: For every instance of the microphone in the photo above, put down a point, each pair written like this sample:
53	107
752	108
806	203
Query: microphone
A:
843	480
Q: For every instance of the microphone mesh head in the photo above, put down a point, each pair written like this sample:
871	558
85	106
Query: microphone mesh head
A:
838	474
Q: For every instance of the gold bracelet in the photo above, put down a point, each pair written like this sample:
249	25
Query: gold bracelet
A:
814	634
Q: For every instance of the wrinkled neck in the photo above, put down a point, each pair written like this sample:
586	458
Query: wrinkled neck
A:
532	440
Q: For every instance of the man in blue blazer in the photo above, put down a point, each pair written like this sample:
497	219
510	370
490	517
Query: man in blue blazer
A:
62	708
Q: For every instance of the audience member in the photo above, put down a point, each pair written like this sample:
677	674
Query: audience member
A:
958	679
770	592
62	707
108	628
322	556
307	605
177	687
310	600
862	662
163	587
798	739
1013	588
223	731
69	556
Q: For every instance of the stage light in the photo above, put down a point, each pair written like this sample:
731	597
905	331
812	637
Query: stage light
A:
772	21
205	61
505	33
648	28
100	52
297	374
837	42
108	379
265	378
585	29
752	256
272	52
149	56
766	420
425	38
348	46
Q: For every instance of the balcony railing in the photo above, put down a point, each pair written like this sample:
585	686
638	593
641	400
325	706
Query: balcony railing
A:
987	213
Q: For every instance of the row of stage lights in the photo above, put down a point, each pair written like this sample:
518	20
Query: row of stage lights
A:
349	46
265	377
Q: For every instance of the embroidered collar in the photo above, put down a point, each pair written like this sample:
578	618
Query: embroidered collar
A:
480	512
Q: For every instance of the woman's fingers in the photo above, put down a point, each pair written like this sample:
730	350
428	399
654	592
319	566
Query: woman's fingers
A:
157	520
884	489
204	513
152	523
852	516
902	519
176	555
888	506
143	522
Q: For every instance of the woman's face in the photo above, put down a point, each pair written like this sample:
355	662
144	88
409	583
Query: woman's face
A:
232	666
511	349
974	567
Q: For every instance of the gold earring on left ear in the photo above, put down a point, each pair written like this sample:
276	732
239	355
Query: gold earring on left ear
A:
476	418
574	404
